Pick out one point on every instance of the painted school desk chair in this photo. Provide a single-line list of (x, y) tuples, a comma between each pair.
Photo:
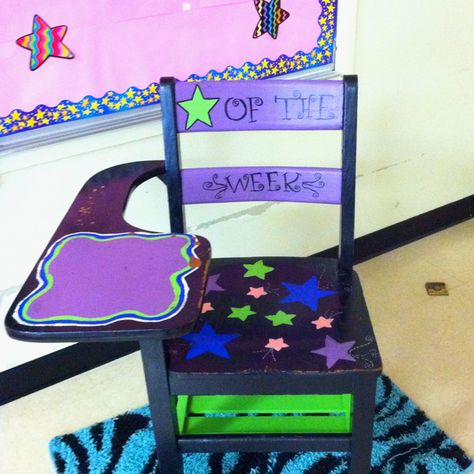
[(273, 353)]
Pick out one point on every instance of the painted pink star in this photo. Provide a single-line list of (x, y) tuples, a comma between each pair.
[(206, 307), (277, 344), (323, 322), (257, 292)]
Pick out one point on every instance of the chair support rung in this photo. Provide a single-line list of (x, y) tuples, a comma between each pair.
[(260, 443)]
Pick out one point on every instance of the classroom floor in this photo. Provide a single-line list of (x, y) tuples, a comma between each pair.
[(427, 344)]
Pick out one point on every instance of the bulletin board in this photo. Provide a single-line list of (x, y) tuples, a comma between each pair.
[(67, 60)]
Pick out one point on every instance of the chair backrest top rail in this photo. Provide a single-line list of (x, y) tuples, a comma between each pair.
[(255, 183), (259, 105)]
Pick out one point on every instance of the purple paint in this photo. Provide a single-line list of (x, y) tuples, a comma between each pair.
[(212, 284), (264, 105), (295, 184), (94, 279), (335, 351)]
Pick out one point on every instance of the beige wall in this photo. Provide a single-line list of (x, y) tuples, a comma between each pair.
[(416, 150), (416, 132)]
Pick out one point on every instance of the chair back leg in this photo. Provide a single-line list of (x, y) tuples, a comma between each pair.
[(162, 408), (362, 424)]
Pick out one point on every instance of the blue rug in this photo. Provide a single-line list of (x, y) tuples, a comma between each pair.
[(405, 442)]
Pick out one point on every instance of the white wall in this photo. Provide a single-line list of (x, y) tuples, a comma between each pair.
[(416, 149), (36, 189)]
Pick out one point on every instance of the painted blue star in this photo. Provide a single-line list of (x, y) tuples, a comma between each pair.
[(208, 341), (308, 293)]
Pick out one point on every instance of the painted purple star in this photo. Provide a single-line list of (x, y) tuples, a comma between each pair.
[(212, 284), (335, 351)]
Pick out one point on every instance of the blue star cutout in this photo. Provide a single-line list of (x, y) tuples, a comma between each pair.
[(308, 293), (207, 340)]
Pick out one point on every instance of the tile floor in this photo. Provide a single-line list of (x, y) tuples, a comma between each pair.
[(427, 344)]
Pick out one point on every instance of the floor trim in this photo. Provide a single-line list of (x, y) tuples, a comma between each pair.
[(73, 360), (58, 366), (402, 233)]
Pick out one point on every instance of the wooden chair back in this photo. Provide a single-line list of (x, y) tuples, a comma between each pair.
[(215, 106)]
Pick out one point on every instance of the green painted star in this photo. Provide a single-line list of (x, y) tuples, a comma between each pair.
[(281, 318), (241, 313), (198, 108), (257, 269)]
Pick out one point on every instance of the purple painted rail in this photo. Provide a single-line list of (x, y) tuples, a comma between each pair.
[(296, 184), (259, 105)]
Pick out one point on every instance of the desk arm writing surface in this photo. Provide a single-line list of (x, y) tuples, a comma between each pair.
[(102, 279)]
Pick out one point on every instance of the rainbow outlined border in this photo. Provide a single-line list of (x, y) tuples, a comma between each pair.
[(46, 281), (112, 102)]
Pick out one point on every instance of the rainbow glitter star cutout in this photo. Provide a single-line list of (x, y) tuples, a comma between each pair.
[(44, 42), (271, 17)]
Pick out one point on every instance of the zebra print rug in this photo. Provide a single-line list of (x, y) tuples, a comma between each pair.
[(405, 441)]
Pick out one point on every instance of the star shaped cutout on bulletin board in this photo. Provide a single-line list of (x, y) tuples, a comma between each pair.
[(271, 17), (257, 292), (323, 322), (307, 293), (277, 344), (208, 341), (212, 284), (335, 351), (198, 108), (44, 42), (241, 313), (281, 318), (257, 269)]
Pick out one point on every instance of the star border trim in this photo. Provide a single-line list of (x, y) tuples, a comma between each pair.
[(112, 102)]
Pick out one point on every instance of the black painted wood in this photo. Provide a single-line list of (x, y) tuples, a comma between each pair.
[(162, 406), (73, 360), (349, 143), (282, 383), (208, 376), (103, 198), (257, 443), (310, 375), (349, 138), (362, 425), (172, 158), (352, 322)]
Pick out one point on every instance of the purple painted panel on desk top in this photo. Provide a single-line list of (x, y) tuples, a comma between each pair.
[(294, 184), (95, 279), (259, 105)]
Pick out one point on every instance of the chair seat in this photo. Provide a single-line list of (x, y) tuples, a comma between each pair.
[(276, 314)]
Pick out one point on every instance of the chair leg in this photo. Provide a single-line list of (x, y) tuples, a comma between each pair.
[(162, 409), (362, 426)]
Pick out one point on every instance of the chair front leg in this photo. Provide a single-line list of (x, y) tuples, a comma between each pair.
[(162, 408), (362, 425)]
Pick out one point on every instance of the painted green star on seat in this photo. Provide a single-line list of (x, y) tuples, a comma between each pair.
[(281, 318), (241, 313), (198, 108), (257, 269)]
